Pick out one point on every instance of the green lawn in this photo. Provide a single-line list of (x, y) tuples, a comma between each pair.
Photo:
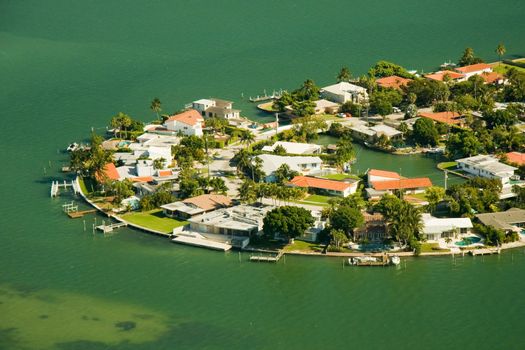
[(432, 247), (153, 219), (340, 177), (317, 198), (503, 68), (303, 246), (420, 196), (447, 165)]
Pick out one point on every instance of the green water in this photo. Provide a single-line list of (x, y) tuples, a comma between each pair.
[(68, 66)]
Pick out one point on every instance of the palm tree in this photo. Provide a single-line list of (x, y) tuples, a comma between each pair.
[(344, 75), (120, 121), (155, 106), (247, 137), (500, 51), (159, 163), (218, 185)]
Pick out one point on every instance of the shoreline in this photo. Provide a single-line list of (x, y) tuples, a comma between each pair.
[(505, 246)]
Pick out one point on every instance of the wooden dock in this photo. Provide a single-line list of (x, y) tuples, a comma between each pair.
[(109, 228), (486, 251), (81, 213), (267, 258)]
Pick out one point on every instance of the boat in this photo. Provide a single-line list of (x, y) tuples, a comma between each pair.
[(382, 260), (197, 240), (436, 150), (72, 147), (448, 64), (395, 260)]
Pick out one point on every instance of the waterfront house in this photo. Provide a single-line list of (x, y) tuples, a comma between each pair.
[(493, 78), (324, 186), (216, 108), (487, 166), (188, 123), (109, 172), (473, 69), (448, 117), (508, 221), (435, 228), (305, 165), (240, 221), (190, 207), (374, 228), (325, 107), (344, 92), (381, 182), (374, 175), (440, 76), (393, 82), (294, 147), (372, 133)]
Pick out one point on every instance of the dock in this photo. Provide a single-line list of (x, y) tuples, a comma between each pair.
[(267, 258), (78, 214), (57, 185), (109, 228), (266, 97), (486, 251)]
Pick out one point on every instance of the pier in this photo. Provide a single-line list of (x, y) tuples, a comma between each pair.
[(267, 258), (267, 97), (109, 228), (486, 251), (81, 213), (57, 185)]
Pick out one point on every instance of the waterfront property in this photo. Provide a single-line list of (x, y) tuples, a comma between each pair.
[(437, 228), (512, 220), (448, 117), (216, 108), (306, 165), (190, 207), (372, 133), (294, 147), (344, 92), (374, 175), (393, 82), (188, 123), (473, 69), (443, 75), (325, 107), (374, 228), (382, 182), (324, 186)]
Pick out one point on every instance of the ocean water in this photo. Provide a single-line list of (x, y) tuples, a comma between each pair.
[(68, 66)]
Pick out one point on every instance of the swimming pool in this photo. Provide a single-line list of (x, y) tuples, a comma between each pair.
[(123, 144), (468, 241)]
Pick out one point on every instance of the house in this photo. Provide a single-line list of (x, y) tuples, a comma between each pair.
[(325, 107), (450, 118), (324, 186), (474, 69), (410, 186), (487, 166), (493, 78), (306, 165), (375, 175), (196, 205), (109, 172), (295, 147), (508, 221), (188, 123), (436, 228), (372, 133), (144, 168), (343, 92), (515, 158), (240, 221), (363, 133), (216, 108), (374, 228), (393, 82), (440, 76)]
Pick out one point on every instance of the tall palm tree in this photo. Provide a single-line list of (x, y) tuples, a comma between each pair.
[(344, 75), (500, 51), (218, 185), (247, 138), (155, 106)]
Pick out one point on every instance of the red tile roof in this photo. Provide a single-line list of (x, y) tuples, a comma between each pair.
[(393, 81), (313, 182), (165, 173), (142, 179), (443, 117), (190, 117), (473, 68), (384, 173), (516, 157), (492, 77), (441, 74), (109, 172), (402, 184)]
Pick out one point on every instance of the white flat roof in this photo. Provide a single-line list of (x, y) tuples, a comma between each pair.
[(272, 162), (385, 129), (205, 101), (488, 163), (343, 87), (432, 224), (294, 147)]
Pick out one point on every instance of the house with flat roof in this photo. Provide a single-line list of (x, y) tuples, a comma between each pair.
[(508, 221), (435, 228), (305, 165), (295, 147), (487, 166), (393, 82), (240, 221), (216, 108), (343, 92), (325, 186), (190, 207), (188, 123)]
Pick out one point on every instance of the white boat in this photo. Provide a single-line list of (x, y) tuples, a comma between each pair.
[(72, 147), (395, 260), (197, 240), (362, 260)]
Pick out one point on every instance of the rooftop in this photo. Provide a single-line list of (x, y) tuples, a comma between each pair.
[(382, 129), (384, 173), (488, 163), (343, 87), (190, 117), (314, 182), (294, 147), (432, 224), (402, 184), (240, 217), (272, 162), (492, 77), (443, 117), (393, 82), (473, 68), (516, 157), (441, 75), (503, 220), (109, 172)]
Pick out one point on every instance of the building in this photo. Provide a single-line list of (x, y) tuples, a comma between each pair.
[(436, 228), (515, 158), (381, 182), (196, 205), (240, 220), (188, 123), (216, 108), (324, 186), (109, 172), (450, 118), (325, 107), (393, 82), (440, 76), (144, 167), (295, 147), (474, 69), (508, 221), (493, 78), (306, 165), (487, 166), (374, 175), (372, 133), (373, 230), (344, 92)]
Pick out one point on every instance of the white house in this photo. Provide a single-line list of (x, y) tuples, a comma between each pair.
[(144, 167), (371, 133), (474, 69), (325, 107), (189, 123), (343, 92), (215, 107), (304, 165), (436, 228), (295, 147), (487, 166)]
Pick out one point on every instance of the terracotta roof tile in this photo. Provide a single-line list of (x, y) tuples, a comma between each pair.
[(516, 157), (165, 173), (209, 201), (443, 117), (109, 172), (142, 179), (190, 117), (384, 173), (313, 182), (473, 68), (401, 184), (492, 77), (393, 81), (441, 74)]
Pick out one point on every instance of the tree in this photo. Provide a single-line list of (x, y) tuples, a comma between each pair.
[(344, 75), (345, 152), (280, 150), (346, 219), (411, 111), (403, 219), (463, 144), (469, 58), (247, 191), (247, 137), (119, 189), (425, 132), (386, 69), (338, 238), (91, 161), (287, 221), (501, 50), (303, 108), (218, 185), (120, 122), (156, 106), (159, 163), (307, 92), (434, 195), (284, 173)]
